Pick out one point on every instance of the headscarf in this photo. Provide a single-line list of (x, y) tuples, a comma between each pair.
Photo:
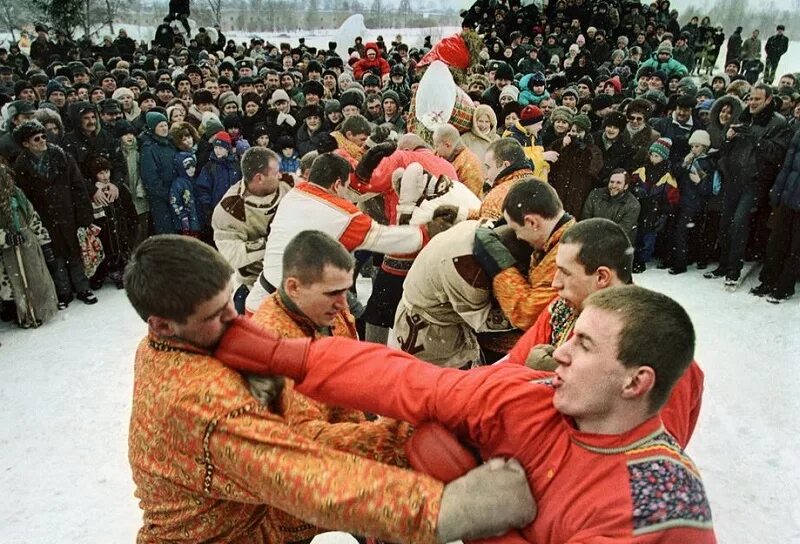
[(487, 110)]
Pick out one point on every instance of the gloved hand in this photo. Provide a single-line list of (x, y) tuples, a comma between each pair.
[(14, 239), (541, 358), (486, 502), (490, 252), (266, 389), (47, 253), (250, 348), (286, 118), (412, 184)]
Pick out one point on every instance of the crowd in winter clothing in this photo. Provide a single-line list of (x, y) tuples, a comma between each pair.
[(619, 107)]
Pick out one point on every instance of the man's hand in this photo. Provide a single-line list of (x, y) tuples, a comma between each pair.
[(541, 358), (486, 502), (266, 389), (695, 177), (112, 192), (490, 252), (551, 156), (731, 134)]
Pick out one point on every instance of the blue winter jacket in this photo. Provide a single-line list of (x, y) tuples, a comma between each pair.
[(182, 196), (217, 176), (786, 189)]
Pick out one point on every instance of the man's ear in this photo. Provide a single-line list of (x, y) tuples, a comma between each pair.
[(604, 277), (533, 221), (161, 326), (291, 286), (639, 383)]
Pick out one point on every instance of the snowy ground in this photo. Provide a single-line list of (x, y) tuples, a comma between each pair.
[(66, 391)]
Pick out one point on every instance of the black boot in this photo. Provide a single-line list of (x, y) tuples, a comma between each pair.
[(761, 290), (718, 272), (87, 297)]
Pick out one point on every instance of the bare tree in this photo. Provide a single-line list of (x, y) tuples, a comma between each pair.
[(216, 10), (8, 13)]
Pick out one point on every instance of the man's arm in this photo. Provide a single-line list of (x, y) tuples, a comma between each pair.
[(245, 256), (522, 300)]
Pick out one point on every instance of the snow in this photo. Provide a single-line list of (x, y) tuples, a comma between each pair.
[(66, 391)]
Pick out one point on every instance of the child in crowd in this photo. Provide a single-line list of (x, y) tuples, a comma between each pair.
[(533, 89), (182, 196), (217, 176), (290, 161), (261, 135), (657, 191), (118, 221), (695, 184)]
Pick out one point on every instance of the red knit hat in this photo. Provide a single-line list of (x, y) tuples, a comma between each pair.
[(530, 115), (222, 138)]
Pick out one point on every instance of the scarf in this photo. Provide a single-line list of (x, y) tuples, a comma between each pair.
[(10, 194)]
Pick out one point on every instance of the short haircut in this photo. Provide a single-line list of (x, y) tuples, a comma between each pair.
[(162, 262), (603, 243), (507, 149), (616, 171), (356, 124), (307, 160), (255, 160), (307, 254), (656, 332), (532, 196), (764, 87), (327, 168), (446, 133)]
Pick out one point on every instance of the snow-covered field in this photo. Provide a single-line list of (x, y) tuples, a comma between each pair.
[(66, 389)]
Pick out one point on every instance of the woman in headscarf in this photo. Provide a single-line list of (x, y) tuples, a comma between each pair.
[(483, 131), (22, 233)]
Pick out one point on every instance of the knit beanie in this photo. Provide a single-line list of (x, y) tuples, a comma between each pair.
[(123, 127), (52, 87), (700, 137), (332, 105), (392, 95), (504, 71), (351, 98), (665, 47), (661, 147), (211, 125), (511, 91), (582, 122), (530, 115), (153, 118), (561, 113), (222, 139)]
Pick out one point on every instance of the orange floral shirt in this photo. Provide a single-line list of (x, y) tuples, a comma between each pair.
[(470, 170), (210, 463), (523, 299), (492, 206)]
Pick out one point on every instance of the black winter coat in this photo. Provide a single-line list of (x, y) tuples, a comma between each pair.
[(622, 209), (59, 195), (618, 155), (786, 190), (104, 144)]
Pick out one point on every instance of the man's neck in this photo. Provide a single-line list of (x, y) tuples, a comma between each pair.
[(627, 419)]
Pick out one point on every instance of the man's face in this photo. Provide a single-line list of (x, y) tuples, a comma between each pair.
[(147, 104), (584, 91), (528, 232), (195, 79), (500, 83), (36, 143), (358, 139), (205, 327), (321, 301), (165, 95), (245, 71), (590, 378), (389, 107), (109, 84), (273, 81), (312, 99), (492, 167), (89, 122), (110, 118), (184, 86), (374, 108), (58, 98), (786, 83), (682, 114), (571, 281), (547, 106), (758, 100), (27, 94), (313, 122), (569, 101), (616, 185), (287, 82), (41, 90), (213, 88), (655, 83)]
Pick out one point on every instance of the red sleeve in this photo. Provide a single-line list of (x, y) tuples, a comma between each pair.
[(385, 68), (539, 333), (356, 231), (682, 409), (374, 378), (358, 70)]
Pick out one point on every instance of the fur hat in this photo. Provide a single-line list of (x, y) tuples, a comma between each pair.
[(511, 91), (615, 119), (27, 130), (561, 113)]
